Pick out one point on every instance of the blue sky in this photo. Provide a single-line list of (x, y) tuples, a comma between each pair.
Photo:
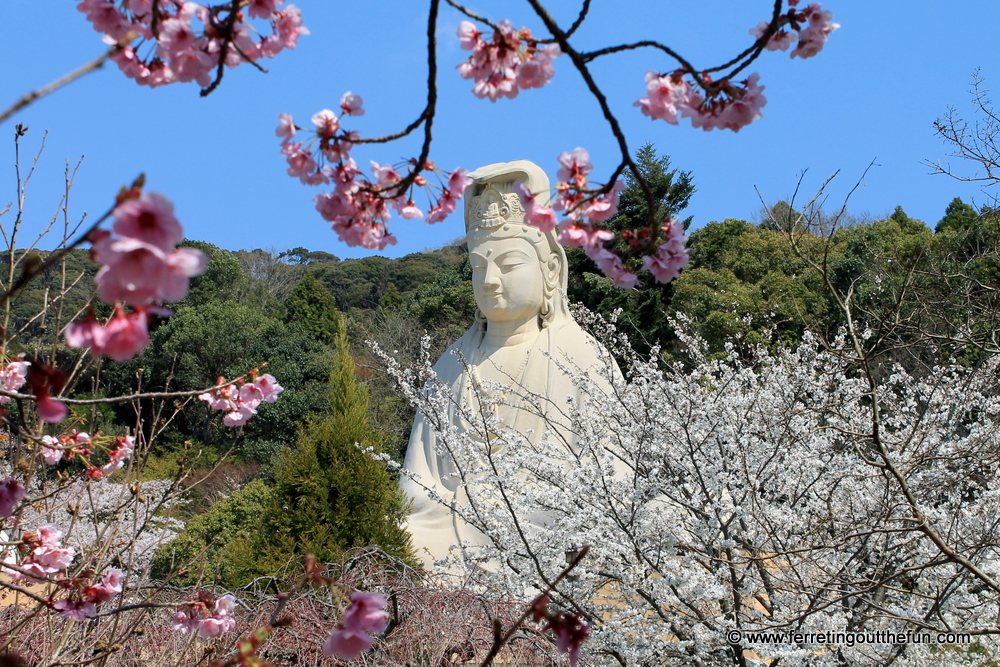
[(871, 95)]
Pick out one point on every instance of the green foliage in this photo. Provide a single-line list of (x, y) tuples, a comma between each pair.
[(222, 279), (958, 216), (198, 344), (782, 217), (446, 304), (213, 532), (328, 495), (671, 190), (312, 305)]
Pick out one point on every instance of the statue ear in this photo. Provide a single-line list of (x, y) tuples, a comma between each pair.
[(552, 269)]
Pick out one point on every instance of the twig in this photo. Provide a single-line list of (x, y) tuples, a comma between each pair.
[(28, 98)]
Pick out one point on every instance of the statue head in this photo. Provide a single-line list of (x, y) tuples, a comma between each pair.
[(517, 269)]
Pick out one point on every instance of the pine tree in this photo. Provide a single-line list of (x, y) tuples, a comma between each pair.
[(958, 217), (647, 306), (328, 495)]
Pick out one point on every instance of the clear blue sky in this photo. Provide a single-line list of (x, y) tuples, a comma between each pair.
[(872, 94)]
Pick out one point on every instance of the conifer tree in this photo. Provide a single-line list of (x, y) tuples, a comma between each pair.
[(328, 495), (312, 305), (958, 217)]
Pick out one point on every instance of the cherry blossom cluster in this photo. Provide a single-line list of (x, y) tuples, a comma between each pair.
[(54, 450), (571, 630), (142, 268), (364, 617), (207, 615), (359, 207), (723, 104), (509, 61), (584, 206), (241, 399), (42, 555), (727, 104), (188, 39), (83, 599), (13, 376), (807, 28), (672, 255)]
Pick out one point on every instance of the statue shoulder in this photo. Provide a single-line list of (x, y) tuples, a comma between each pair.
[(449, 364)]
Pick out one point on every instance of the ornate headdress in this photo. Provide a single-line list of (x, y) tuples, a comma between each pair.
[(494, 210)]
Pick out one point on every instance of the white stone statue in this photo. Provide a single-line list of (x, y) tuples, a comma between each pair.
[(523, 330)]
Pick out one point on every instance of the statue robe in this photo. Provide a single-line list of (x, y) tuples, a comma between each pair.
[(433, 524)]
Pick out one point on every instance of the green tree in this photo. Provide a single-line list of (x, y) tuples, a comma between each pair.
[(328, 495), (958, 216), (671, 190), (312, 305), (645, 309)]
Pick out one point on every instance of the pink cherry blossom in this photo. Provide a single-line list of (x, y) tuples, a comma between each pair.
[(538, 71), (813, 37), (126, 335), (458, 180), (743, 110), (288, 26), (468, 35), (574, 167), (239, 416), (177, 35), (611, 265), (261, 9), (11, 492), (105, 17), (286, 128), (51, 455), (195, 616), (446, 205), (49, 535), (50, 410), (110, 586), (385, 175), (139, 273), (672, 255), (88, 333), (570, 631), (605, 206), (300, 163), (364, 617), (76, 610), (47, 557), (780, 41), (511, 60), (350, 104), (326, 123), (13, 377), (542, 217), (410, 211), (666, 97), (268, 387), (121, 452)]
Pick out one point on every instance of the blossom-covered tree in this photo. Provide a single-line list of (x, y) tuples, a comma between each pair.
[(784, 492)]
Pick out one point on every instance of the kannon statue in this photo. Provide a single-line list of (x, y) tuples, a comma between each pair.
[(519, 348)]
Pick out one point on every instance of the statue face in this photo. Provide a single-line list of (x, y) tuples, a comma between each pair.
[(506, 278)]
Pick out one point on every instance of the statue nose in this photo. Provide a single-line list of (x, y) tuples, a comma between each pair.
[(492, 277)]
